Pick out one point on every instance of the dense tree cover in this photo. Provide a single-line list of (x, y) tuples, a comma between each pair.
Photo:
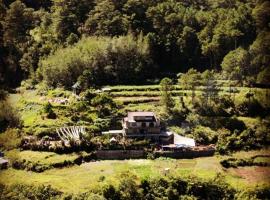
[(131, 187), (206, 34), (96, 61)]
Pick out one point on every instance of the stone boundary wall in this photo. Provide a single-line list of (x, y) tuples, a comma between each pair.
[(185, 154), (136, 154), (120, 154)]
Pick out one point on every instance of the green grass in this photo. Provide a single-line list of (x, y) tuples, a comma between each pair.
[(45, 158), (261, 159), (248, 154), (87, 176)]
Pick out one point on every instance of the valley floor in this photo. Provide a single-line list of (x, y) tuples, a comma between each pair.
[(93, 175)]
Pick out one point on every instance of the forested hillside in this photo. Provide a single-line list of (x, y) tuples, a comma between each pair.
[(134, 99), (99, 42)]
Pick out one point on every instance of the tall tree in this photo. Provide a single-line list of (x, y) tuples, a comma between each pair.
[(69, 16), (236, 65), (190, 80), (210, 86), (16, 26), (105, 19), (166, 86)]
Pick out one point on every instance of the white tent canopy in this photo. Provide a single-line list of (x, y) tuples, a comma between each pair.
[(180, 140)]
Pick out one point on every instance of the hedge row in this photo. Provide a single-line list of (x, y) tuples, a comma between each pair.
[(242, 162)]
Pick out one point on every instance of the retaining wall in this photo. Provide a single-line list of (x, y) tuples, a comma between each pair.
[(136, 154), (120, 154), (185, 154)]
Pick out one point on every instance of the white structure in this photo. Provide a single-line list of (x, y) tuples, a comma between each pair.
[(183, 141)]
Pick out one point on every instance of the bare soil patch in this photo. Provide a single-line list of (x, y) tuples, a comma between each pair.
[(253, 174)]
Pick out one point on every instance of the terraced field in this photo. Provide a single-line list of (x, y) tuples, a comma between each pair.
[(80, 178)]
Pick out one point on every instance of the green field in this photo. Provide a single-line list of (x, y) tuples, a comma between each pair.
[(94, 175)]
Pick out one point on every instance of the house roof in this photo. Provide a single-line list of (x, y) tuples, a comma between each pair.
[(131, 115)]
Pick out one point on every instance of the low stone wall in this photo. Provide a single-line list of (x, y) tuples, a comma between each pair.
[(120, 154), (136, 154), (185, 154)]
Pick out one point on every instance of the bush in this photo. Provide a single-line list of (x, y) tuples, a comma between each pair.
[(9, 117), (88, 95), (10, 139), (3, 95), (251, 108), (102, 124), (110, 192), (59, 92), (232, 123), (47, 108), (104, 105), (20, 191), (223, 107), (205, 135)]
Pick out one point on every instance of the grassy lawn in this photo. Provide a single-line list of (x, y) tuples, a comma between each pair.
[(44, 158), (94, 175)]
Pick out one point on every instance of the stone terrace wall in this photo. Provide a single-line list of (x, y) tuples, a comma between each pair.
[(185, 154), (120, 154), (136, 154)]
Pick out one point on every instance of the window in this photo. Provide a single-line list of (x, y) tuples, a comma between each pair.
[(151, 124), (143, 124)]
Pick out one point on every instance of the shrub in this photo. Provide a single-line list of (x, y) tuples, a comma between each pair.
[(128, 187), (232, 123), (88, 95), (204, 135), (20, 191), (3, 94), (251, 108), (9, 117), (59, 92), (10, 139), (102, 124), (104, 104), (110, 192), (47, 108)]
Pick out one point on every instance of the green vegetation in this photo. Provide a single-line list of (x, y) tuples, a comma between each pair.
[(252, 161), (41, 161), (166, 86), (10, 139), (87, 177), (67, 63), (107, 42)]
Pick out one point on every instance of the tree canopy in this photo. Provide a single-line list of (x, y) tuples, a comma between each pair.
[(204, 34)]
